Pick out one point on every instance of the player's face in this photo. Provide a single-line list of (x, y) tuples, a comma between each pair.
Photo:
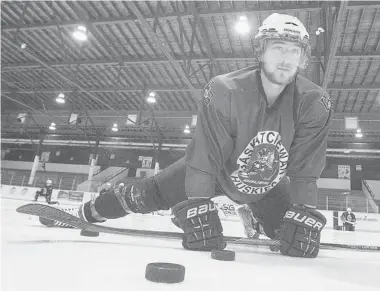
[(281, 60)]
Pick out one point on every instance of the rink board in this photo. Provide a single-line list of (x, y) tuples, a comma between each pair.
[(366, 222)]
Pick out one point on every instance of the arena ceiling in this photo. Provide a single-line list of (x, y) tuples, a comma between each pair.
[(172, 48)]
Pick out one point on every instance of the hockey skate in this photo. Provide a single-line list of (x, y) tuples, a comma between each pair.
[(249, 222), (252, 228)]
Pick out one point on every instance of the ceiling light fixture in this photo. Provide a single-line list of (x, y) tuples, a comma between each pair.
[(60, 98), (187, 129), (242, 26), (80, 33), (151, 98)]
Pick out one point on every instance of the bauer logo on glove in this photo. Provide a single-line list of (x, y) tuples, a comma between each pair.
[(304, 219), (300, 234), (201, 209), (200, 222)]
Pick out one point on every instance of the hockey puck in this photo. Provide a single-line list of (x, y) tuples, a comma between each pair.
[(165, 272), (274, 248), (223, 255), (89, 233)]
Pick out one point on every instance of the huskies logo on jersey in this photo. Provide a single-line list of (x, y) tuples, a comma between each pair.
[(262, 164)]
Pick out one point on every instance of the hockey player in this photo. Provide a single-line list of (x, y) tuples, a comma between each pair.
[(349, 220), (260, 139), (121, 186), (106, 188), (46, 192)]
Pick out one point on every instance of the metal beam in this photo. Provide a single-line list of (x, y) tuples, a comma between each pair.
[(291, 8), (159, 43), (200, 59), (204, 35), (99, 90), (31, 108), (319, 48), (71, 82), (334, 42), (175, 115), (354, 87), (333, 87)]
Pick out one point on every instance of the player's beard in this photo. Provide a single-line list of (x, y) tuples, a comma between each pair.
[(272, 77)]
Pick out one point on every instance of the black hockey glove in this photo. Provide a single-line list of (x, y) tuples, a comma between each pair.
[(201, 224), (300, 233)]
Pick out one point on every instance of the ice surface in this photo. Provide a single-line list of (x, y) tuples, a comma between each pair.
[(36, 258)]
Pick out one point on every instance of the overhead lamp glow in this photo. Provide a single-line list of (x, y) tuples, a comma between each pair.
[(359, 135), (242, 27), (151, 100), (151, 97), (60, 98), (115, 127), (187, 129), (52, 126), (80, 33)]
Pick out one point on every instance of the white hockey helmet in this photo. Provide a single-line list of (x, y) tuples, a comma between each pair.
[(283, 27), (349, 209), (48, 182), (121, 185)]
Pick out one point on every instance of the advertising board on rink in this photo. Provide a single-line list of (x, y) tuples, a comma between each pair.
[(227, 209), (62, 196)]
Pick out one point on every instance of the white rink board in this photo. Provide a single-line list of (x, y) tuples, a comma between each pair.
[(227, 209)]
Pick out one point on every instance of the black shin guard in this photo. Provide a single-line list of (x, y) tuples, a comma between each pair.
[(144, 197), (140, 197), (160, 192), (171, 183)]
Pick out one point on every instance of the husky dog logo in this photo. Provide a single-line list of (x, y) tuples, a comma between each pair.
[(262, 165)]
